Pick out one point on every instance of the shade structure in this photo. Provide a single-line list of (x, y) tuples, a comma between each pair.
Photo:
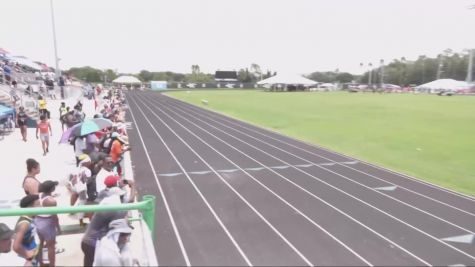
[(127, 80), (26, 62), (292, 79), (444, 84)]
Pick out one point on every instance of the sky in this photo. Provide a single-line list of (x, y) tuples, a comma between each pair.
[(291, 36)]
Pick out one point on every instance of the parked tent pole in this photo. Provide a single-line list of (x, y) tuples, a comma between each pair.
[(470, 65)]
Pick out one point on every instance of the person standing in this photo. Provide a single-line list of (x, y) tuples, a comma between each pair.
[(47, 225), (62, 112), (26, 239), (44, 127), (22, 119), (30, 184), (61, 84), (42, 106)]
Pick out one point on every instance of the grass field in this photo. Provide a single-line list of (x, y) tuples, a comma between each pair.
[(429, 137)]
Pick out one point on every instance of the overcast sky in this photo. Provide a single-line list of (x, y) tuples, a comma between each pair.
[(296, 36)]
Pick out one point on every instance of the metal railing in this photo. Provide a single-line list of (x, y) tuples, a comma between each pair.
[(146, 206)]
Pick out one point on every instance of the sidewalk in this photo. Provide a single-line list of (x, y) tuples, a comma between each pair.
[(56, 165)]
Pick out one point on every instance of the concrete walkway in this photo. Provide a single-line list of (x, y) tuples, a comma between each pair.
[(56, 165)]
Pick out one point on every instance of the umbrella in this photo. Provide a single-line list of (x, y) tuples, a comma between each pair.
[(85, 128)]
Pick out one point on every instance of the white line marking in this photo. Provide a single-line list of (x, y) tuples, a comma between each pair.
[(386, 188), (200, 172), (195, 187), (466, 239), (303, 189), (280, 167), (232, 188), (356, 198), (170, 174), (224, 117), (228, 171), (167, 207), (364, 202), (304, 165), (255, 169)]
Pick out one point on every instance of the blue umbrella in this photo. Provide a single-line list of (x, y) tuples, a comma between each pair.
[(85, 128)]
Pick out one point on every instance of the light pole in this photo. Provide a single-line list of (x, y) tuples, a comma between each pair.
[(381, 62), (439, 68), (470, 65), (370, 65), (56, 59)]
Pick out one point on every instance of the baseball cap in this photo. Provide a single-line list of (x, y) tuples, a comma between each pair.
[(5, 232), (120, 226), (112, 180)]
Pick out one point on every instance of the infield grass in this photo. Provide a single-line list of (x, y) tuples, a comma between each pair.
[(426, 136)]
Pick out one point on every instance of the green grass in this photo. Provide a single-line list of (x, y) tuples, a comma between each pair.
[(427, 136)]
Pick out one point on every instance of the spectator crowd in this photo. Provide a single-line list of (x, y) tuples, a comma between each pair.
[(97, 179)]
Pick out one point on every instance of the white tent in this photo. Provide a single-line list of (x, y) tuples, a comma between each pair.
[(287, 79), (443, 84), (127, 80)]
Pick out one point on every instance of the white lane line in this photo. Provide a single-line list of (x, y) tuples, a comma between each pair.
[(224, 118), (305, 190), (349, 179), (446, 190), (360, 200), (364, 202), (234, 170), (165, 201), (196, 188), (343, 176), (232, 188)]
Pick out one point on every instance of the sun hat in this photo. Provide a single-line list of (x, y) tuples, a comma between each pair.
[(120, 226)]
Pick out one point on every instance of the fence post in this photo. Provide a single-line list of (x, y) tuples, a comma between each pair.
[(149, 213)]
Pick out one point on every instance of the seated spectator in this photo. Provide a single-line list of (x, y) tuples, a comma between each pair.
[(26, 239), (113, 249), (47, 225)]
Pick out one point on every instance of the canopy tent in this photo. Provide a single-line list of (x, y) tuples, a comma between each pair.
[(443, 84), (127, 80), (287, 79)]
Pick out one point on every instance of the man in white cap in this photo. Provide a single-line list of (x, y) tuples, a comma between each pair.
[(113, 249)]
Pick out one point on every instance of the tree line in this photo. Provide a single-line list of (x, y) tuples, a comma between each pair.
[(448, 64)]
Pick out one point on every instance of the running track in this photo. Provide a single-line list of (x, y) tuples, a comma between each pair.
[(230, 193)]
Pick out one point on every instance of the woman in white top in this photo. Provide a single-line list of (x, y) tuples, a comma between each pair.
[(47, 225)]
